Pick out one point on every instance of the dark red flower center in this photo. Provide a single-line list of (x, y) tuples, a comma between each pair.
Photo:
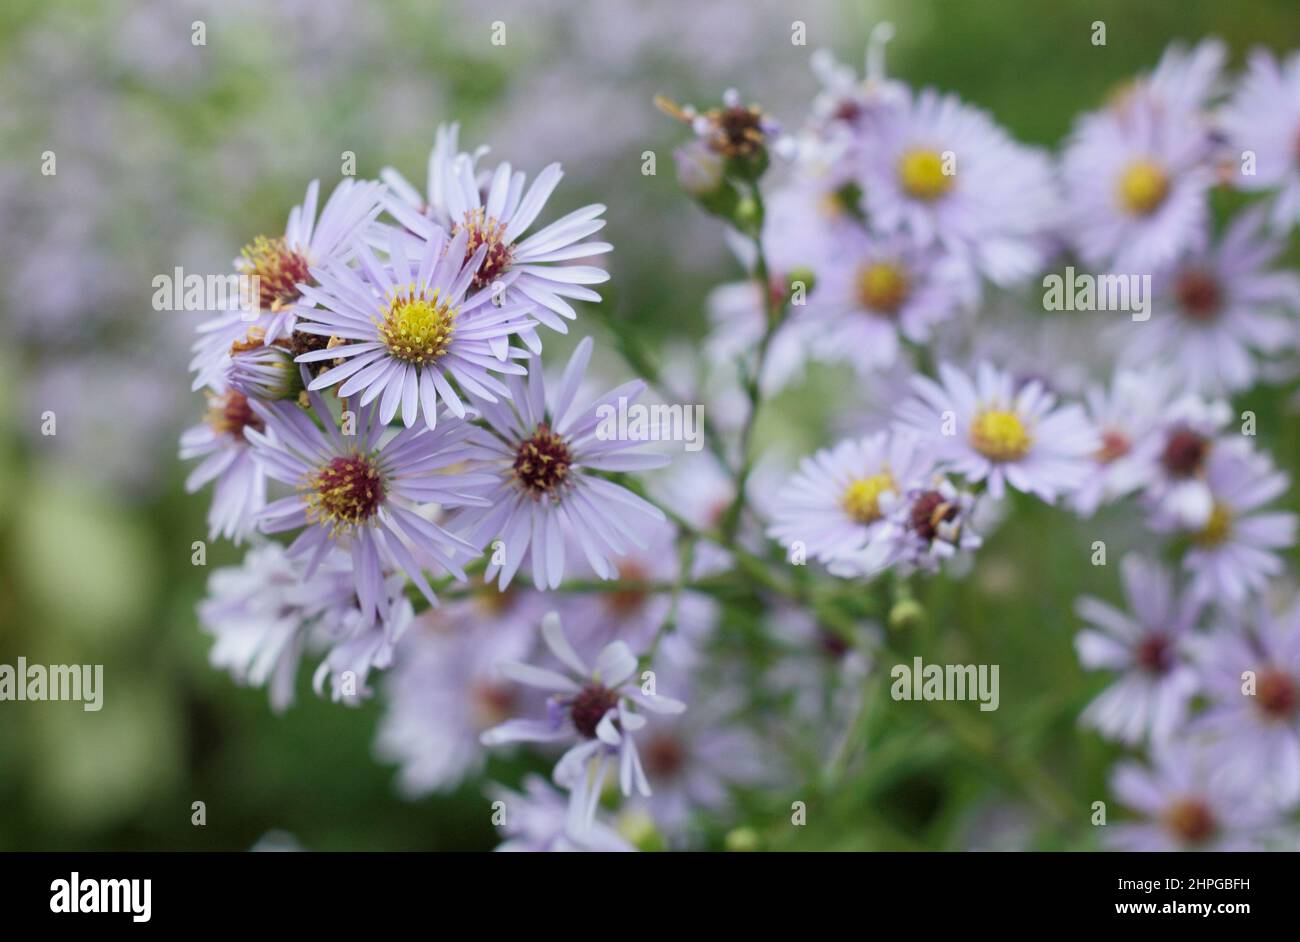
[(279, 270), (486, 230), (230, 413), (1198, 294), (1190, 820), (1114, 445), (1155, 654), (1184, 453), (1276, 694), (589, 708), (542, 462), (346, 492), (929, 511), (663, 757)]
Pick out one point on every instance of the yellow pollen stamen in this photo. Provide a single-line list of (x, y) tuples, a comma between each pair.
[(1217, 528), (1143, 186), (417, 327), (882, 287), (1000, 436), (862, 497), (922, 175)]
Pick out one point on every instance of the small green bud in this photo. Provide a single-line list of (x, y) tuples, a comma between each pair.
[(741, 839), (906, 613)]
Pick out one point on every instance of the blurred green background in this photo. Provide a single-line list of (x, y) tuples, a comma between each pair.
[(174, 154)]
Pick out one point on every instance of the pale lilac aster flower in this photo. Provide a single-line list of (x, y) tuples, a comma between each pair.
[(445, 689), (362, 492), (838, 500), (1186, 805), (1129, 416), (1177, 491), (594, 712), (1137, 175), (876, 292), (1148, 649), (282, 265), (1234, 553), (988, 429), (931, 524), (1251, 669), (239, 491), (408, 329), (542, 450), (1263, 117), (537, 821), (514, 267), (944, 172), (1217, 310)]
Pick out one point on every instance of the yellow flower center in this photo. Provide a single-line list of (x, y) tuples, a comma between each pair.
[(862, 497), (1217, 528), (922, 174), (1143, 187), (882, 287), (1000, 436), (416, 327)]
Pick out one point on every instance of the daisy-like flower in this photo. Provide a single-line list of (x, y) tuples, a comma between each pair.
[(988, 429), (1148, 650), (944, 172), (879, 290), (239, 493), (1137, 173), (1186, 805), (495, 222), (1176, 490), (359, 491), (407, 329), (593, 708), (1217, 310), (543, 449), (537, 821), (268, 612), (838, 500), (1129, 416), (1235, 552), (1263, 118), (281, 265), (445, 689), (927, 526), (1252, 678)]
